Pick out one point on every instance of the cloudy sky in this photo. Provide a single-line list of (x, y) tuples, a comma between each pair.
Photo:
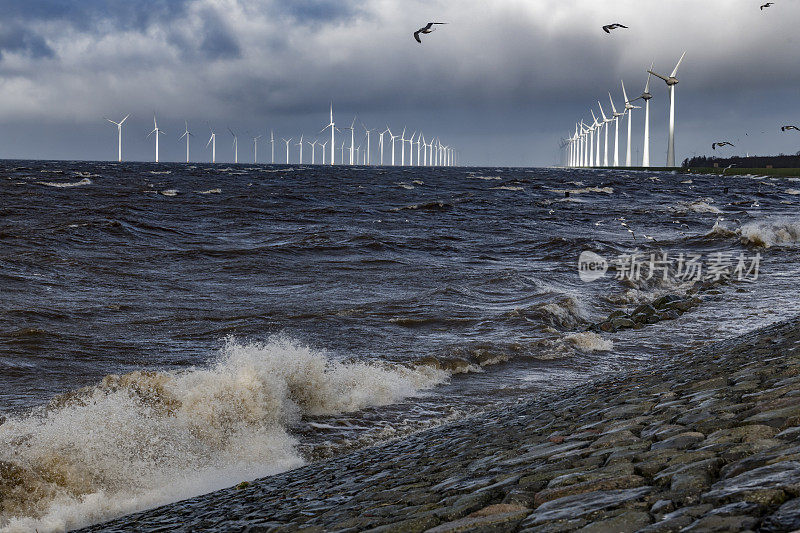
[(502, 82)]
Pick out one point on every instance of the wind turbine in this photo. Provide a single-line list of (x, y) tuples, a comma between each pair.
[(420, 137), (287, 141), (332, 126), (403, 148), (352, 129), (629, 107), (411, 150), (393, 139), (272, 144), (368, 153), (313, 150), (187, 135), (591, 129), (213, 142), (430, 153), (255, 149), (341, 155), (380, 141), (157, 132), (119, 132), (300, 144), (616, 129), (606, 120), (598, 126), (323, 145), (646, 96), (235, 146), (672, 81)]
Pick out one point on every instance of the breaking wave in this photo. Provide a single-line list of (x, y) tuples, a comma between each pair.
[(143, 439), (772, 232), (67, 184)]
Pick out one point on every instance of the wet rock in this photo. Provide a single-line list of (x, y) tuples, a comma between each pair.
[(617, 314), (767, 485), (778, 418), (580, 505), (786, 518), (626, 522), (494, 518), (622, 323), (414, 524), (607, 484), (662, 507), (663, 301), (682, 441), (677, 520), (722, 523), (644, 309)]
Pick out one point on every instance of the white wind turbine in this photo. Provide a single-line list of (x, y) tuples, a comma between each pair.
[(420, 142), (341, 155), (157, 132), (598, 126), (394, 137), (255, 149), (411, 150), (629, 107), (368, 133), (287, 141), (323, 145), (646, 96), (235, 146), (672, 81), (403, 148), (213, 142), (332, 126), (119, 135), (430, 153), (590, 129), (300, 144), (272, 144), (352, 129), (616, 129), (313, 151), (606, 120), (187, 135)]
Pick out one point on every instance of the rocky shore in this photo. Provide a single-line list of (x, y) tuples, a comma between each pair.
[(706, 441)]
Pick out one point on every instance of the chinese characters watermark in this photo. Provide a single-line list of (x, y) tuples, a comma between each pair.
[(684, 267)]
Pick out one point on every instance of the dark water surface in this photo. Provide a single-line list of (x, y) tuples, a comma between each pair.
[(166, 330)]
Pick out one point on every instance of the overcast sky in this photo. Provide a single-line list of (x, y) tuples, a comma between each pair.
[(502, 82)]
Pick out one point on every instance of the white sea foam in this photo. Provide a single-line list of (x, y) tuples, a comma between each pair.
[(210, 191), (507, 188), (589, 341), (68, 184), (486, 177), (147, 438), (793, 192), (170, 192), (771, 232), (697, 206)]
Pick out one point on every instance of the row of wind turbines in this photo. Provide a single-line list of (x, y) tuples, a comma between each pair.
[(582, 150), (432, 153)]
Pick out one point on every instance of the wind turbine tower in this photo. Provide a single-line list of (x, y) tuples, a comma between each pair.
[(187, 135), (671, 82), (119, 136), (332, 126), (157, 132), (255, 149), (287, 141), (616, 129), (213, 142)]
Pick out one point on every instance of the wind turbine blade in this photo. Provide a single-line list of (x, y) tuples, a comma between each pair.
[(675, 72), (624, 94), (649, 75), (111, 121), (613, 108), (658, 75), (124, 119)]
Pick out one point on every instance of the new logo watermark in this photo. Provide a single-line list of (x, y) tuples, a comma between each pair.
[(682, 267)]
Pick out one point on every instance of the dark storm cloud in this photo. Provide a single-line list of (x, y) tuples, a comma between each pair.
[(16, 39)]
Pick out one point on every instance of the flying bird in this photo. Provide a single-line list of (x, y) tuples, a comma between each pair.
[(784, 128), (766, 5), (724, 143), (610, 27), (426, 30)]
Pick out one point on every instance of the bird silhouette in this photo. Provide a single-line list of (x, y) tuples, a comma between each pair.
[(784, 128), (426, 30), (768, 4), (610, 27), (724, 143)]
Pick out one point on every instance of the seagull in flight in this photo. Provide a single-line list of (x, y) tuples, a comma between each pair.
[(426, 30), (724, 143), (784, 128), (610, 27), (768, 4)]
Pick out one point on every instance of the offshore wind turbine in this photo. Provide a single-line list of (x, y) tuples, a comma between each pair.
[(393, 139), (629, 107), (341, 156), (606, 120), (352, 129), (411, 150), (272, 144), (671, 82), (403, 147), (213, 142), (119, 135), (616, 129), (591, 129), (332, 126), (187, 135), (157, 132), (368, 133), (323, 145), (300, 144), (380, 143), (430, 153), (646, 96), (255, 149), (422, 137), (313, 150), (598, 126), (235, 146), (287, 141)]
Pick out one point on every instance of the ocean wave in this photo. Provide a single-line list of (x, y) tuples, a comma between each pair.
[(771, 232), (586, 190), (67, 184), (143, 439), (508, 188), (210, 191), (696, 206)]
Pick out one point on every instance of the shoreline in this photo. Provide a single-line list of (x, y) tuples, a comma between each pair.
[(708, 440)]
